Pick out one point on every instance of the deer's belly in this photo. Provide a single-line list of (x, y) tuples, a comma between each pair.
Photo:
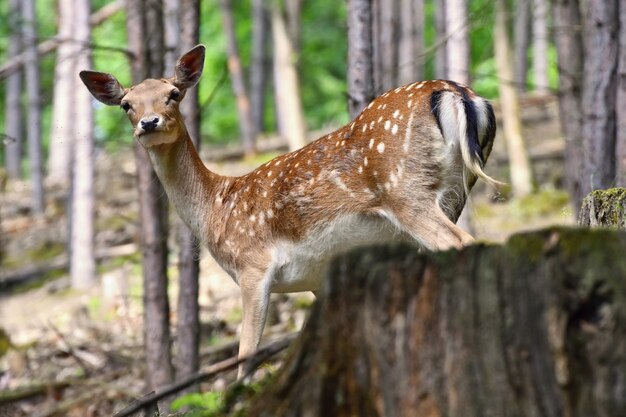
[(301, 266)]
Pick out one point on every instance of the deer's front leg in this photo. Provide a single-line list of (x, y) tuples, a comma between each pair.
[(255, 294)]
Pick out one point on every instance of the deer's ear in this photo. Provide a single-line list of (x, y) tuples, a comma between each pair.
[(189, 68), (103, 87)]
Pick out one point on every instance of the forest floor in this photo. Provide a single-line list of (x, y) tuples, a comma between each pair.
[(60, 349)]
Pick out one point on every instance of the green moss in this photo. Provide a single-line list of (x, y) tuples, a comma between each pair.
[(610, 205), (43, 252), (544, 202)]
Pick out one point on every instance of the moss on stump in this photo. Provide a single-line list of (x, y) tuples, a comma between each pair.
[(605, 208)]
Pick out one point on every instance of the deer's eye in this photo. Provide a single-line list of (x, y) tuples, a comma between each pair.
[(125, 106), (174, 95)]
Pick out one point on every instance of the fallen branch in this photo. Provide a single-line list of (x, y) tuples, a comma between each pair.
[(253, 360), (33, 390)]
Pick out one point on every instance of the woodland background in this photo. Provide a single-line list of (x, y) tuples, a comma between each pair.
[(85, 270)]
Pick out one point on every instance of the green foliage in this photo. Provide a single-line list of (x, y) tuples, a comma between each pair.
[(206, 404)]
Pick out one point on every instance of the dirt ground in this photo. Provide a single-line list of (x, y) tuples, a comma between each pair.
[(49, 332)]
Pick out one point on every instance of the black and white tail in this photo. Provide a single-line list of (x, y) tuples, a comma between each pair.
[(467, 120)]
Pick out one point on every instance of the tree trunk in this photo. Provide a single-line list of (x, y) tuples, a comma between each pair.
[(522, 42), (540, 46), (258, 73), (82, 262), (290, 116), (411, 47), (33, 122), (458, 52), (143, 26), (599, 93), (13, 106), (441, 65), (63, 108), (569, 47), (237, 78), (388, 36), (536, 327), (521, 175), (188, 322), (604, 208), (620, 106), (171, 33), (360, 65), (293, 10)]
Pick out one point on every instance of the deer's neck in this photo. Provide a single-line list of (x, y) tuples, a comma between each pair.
[(189, 185)]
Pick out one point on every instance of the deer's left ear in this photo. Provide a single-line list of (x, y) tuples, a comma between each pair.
[(103, 87), (189, 68)]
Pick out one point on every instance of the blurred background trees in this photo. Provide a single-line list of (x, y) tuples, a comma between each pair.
[(288, 70)]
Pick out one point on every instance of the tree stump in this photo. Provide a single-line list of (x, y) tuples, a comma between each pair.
[(536, 327), (604, 208)]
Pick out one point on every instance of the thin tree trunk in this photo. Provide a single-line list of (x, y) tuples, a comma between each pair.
[(143, 25), (441, 65), (411, 46), (258, 73), (63, 108), (188, 324), (33, 122), (620, 106), (521, 175), (171, 33), (82, 262), (599, 93), (388, 40), (287, 91), (293, 10), (540, 46), (569, 47), (237, 78), (376, 47), (13, 106), (360, 65), (522, 42), (458, 52)]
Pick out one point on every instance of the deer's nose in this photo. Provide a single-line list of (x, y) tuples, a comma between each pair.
[(149, 123)]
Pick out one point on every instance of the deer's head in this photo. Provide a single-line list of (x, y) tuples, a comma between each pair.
[(152, 105)]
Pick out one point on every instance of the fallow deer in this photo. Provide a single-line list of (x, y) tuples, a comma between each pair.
[(400, 171)]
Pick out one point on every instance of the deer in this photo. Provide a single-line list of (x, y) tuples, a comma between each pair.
[(399, 172)]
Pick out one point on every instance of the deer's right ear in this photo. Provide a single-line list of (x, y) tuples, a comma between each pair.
[(104, 87)]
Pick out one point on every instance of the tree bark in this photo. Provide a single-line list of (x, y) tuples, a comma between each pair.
[(258, 64), (604, 208), (411, 47), (360, 64), (536, 327), (599, 93), (522, 42), (63, 108), (33, 122), (521, 175), (237, 78), (12, 105), (620, 145), (441, 64), (291, 123), (143, 26), (172, 33), (388, 36), (569, 47), (82, 262), (457, 47), (188, 317), (540, 46), (293, 11)]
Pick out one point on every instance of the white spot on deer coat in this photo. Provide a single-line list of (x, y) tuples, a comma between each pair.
[(381, 147)]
